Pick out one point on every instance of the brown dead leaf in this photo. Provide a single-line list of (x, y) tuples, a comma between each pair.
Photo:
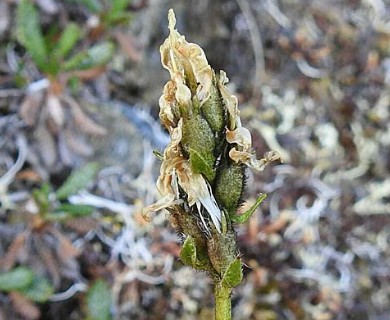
[(30, 107), (82, 121), (275, 226), (46, 145), (64, 153), (77, 144), (82, 225), (24, 307), (128, 44), (66, 249), (88, 74), (49, 259), (28, 175), (55, 109), (13, 252)]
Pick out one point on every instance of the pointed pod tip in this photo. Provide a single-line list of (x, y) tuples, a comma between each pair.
[(171, 19)]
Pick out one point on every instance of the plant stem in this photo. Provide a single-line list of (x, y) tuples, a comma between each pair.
[(222, 302)]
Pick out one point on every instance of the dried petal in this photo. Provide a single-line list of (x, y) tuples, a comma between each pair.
[(167, 103), (230, 101), (186, 62), (240, 136), (189, 160), (199, 192), (162, 203), (250, 159), (183, 93)]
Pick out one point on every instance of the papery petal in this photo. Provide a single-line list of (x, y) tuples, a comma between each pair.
[(208, 201), (190, 86), (183, 93), (199, 192), (172, 158), (250, 159), (180, 57), (201, 69), (240, 136), (230, 101), (163, 203), (239, 156), (176, 135), (167, 100)]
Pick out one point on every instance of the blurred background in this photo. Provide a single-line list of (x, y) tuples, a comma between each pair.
[(79, 87)]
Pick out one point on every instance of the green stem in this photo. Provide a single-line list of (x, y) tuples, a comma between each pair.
[(222, 302)]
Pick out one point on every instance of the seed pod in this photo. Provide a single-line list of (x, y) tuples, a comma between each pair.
[(213, 109), (222, 250), (229, 185), (198, 143)]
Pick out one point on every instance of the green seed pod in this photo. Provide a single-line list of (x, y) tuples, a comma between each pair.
[(222, 250), (229, 185), (199, 144), (213, 109)]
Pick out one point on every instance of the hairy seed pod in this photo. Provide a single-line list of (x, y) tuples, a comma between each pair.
[(229, 185), (222, 250), (213, 109), (198, 143)]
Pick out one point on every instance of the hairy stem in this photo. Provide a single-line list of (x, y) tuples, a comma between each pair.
[(222, 302)]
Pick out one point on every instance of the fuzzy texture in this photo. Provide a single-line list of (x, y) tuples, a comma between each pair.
[(202, 174), (229, 186), (207, 138)]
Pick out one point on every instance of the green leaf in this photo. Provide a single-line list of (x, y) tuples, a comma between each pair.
[(99, 301), (158, 155), (29, 33), (118, 11), (74, 85), (67, 40), (95, 56), (242, 218), (201, 165), (67, 211), (94, 6), (16, 279), (119, 6), (119, 18), (188, 252), (40, 290), (233, 274), (77, 180), (41, 197), (57, 216), (75, 210)]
